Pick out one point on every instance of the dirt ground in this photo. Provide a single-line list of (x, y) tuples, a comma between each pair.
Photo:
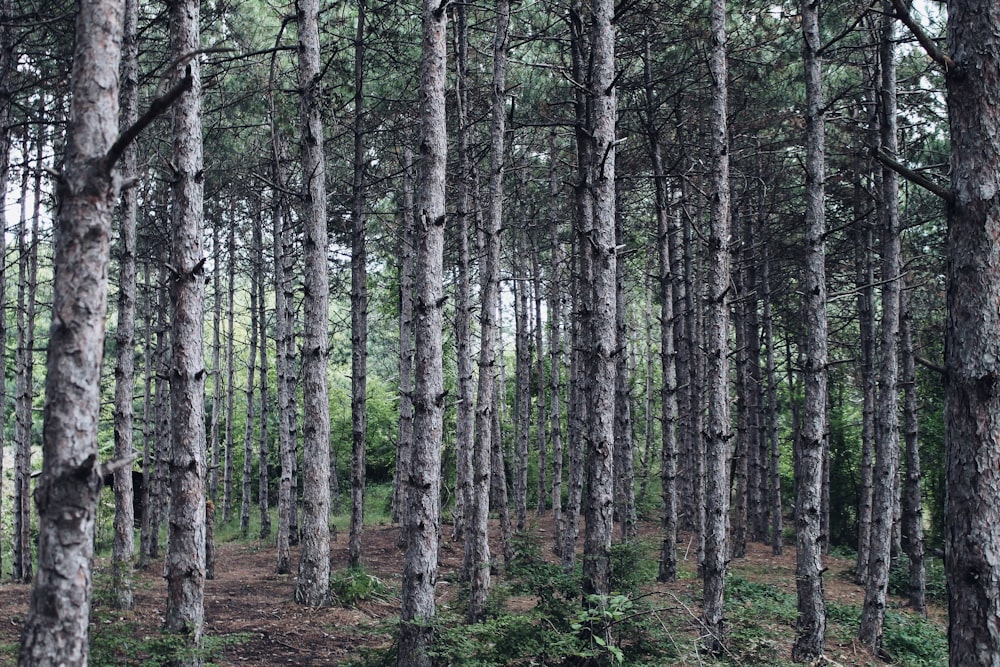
[(248, 599)]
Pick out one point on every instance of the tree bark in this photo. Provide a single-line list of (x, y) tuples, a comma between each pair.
[(264, 437), (185, 562), (885, 479), (913, 526), (359, 302), (624, 446), (972, 349), (717, 426), (422, 518), (406, 251), (55, 630), (811, 623), (123, 547), (7, 60), (312, 586), (247, 485)]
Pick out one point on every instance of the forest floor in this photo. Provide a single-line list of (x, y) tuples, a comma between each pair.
[(250, 618)]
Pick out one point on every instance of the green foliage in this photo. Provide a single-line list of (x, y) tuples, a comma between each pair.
[(914, 641), (934, 574), (355, 585), (632, 565)]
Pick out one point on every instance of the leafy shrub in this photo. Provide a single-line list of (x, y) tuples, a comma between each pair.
[(355, 585), (914, 641), (936, 586)]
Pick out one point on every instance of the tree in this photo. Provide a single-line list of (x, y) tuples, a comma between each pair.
[(972, 349), (185, 562), (55, 631), (811, 623), (717, 426), (124, 540), (312, 587), (600, 243), (359, 301), (422, 517)]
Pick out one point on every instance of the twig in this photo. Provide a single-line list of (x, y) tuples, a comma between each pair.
[(913, 176)]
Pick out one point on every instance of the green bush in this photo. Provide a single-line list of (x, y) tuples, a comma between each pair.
[(354, 585), (914, 641)]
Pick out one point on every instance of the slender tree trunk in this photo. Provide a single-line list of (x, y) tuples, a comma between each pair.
[(214, 441), (359, 301), (811, 624), (422, 520), (465, 407), (148, 433), (185, 563), (555, 351), (7, 61), (913, 528), (312, 586), (624, 445), (774, 448), (522, 378), (55, 631), (247, 485), (406, 251), (263, 451), (540, 411), (229, 472), (741, 453), (123, 548), (886, 471), (600, 450), (717, 426)]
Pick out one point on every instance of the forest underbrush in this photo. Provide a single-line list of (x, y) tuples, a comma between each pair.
[(537, 615)]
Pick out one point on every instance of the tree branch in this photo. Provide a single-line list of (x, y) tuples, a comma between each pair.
[(156, 107), (932, 49), (912, 176)]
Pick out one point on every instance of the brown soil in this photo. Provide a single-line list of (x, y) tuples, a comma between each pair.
[(248, 599)]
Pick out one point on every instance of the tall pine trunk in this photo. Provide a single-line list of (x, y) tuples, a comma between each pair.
[(422, 519), (55, 630), (312, 586), (811, 623)]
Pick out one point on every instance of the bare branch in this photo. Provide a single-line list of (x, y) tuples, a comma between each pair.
[(911, 175)]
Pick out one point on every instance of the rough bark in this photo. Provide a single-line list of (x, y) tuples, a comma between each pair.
[(972, 349), (811, 623), (229, 473), (540, 410), (912, 520), (624, 446), (465, 405), (359, 301), (406, 251), (555, 304), (123, 547), (477, 547), (55, 630), (522, 377), (774, 448), (264, 437), (886, 471), (312, 586), (422, 518), (247, 483), (185, 561), (717, 426), (599, 505), (7, 59)]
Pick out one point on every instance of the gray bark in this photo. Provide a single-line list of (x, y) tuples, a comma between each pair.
[(885, 478), (359, 302), (55, 630), (717, 426), (123, 547), (312, 586), (913, 528), (422, 518), (247, 484), (555, 352), (264, 437), (7, 59), (811, 623), (185, 561), (406, 251)]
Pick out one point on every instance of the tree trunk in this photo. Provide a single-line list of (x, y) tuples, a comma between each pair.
[(522, 377), (465, 406), (185, 563), (406, 251), (624, 452), (972, 432), (811, 624), (540, 411), (55, 630), (229, 473), (774, 447), (913, 526), (717, 426), (887, 416), (123, 547), (555, 351), (599, 507), (312, 586), (148, 431), (422, 518), (247, 485), (359, 302), (263, 452), (7, 60)]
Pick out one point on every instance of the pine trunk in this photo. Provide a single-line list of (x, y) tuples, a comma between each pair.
[(312, 586), (55, 630), (422, 518), (913, 520)]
